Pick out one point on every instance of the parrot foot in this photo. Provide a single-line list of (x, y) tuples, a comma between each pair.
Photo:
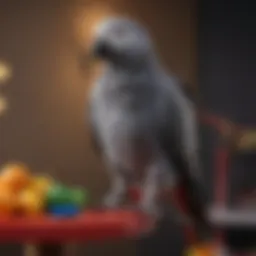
[(111, 201), (152, 210)]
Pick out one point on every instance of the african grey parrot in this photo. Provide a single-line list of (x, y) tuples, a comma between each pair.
[(142, 123)]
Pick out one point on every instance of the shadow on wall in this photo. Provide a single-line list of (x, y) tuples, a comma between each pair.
[(45, 124)]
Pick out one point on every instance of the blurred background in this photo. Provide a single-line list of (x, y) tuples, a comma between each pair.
[(210, 45)]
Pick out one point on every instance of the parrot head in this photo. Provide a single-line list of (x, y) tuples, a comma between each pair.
[(121, 41)]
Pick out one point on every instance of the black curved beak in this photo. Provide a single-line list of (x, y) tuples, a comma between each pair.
[(101, 49), (98, 50)]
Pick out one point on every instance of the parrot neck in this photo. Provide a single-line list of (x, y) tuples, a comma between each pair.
[(150, 65)]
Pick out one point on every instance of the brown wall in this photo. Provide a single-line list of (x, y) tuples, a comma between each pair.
[(42, 40)]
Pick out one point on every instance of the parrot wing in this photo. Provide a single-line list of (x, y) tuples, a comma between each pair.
[(178, 140), (92, 129)]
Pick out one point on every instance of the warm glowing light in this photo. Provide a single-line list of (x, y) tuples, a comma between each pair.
[(5, 72), (86, 20), (3, 105), (247, 140)]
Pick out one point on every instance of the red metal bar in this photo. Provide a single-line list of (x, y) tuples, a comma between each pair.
[(222, 165), (221, 158)]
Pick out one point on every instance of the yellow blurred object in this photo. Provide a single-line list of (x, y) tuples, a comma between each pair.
[(31, 203), (247, 140), (3, 104), (5, 72), (41, 184), (16, 176), (204, 250)]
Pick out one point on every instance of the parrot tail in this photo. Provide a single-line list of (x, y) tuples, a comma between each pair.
[(192, 197), (195, 202)]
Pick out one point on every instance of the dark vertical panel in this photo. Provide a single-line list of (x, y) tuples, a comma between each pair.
[(228, 58), (227, 67)]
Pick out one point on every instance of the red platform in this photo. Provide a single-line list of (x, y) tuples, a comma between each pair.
[(90, 226)]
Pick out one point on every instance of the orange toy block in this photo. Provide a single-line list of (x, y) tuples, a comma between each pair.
[(16, 176)]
